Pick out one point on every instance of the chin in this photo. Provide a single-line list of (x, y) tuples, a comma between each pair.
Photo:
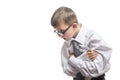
[(67, 39)]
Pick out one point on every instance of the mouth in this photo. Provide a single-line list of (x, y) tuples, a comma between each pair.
[(64, 38)]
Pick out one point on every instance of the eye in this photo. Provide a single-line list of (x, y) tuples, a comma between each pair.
[(61, 31)]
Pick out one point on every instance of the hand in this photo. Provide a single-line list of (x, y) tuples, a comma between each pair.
[(92, 54), (71, 54)]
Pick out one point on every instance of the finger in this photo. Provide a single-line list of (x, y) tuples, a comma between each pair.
[(93, 53), (88, 53), (92, 57), (89, 50)]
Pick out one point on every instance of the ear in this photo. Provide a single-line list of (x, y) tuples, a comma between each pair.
[(74, 25)]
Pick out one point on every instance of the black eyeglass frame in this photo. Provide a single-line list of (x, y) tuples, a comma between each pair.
[(61, 33)]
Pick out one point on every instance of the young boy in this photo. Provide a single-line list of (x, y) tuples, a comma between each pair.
[(93, 60)]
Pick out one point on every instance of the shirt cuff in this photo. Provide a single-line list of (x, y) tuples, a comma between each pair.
[(75, 62)]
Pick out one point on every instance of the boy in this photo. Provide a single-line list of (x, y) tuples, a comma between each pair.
[(92, 60)]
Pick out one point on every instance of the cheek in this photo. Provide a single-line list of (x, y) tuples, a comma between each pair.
[(68, 35)]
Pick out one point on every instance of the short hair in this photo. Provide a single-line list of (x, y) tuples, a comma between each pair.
[(63, 15)]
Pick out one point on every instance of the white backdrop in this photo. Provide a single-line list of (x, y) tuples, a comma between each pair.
[(29, 50)]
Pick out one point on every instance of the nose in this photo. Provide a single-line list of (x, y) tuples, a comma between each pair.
[(60, 36)]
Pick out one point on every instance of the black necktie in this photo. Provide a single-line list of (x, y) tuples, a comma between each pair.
[(76, 48), (77, 52)]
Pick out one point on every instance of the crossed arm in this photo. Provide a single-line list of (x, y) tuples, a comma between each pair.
[(91, 63), (91, 54)]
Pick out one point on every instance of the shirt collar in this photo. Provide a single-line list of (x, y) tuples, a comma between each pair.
[(80, 38)]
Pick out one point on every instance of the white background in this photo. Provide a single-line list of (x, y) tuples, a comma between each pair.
[(29, 50)]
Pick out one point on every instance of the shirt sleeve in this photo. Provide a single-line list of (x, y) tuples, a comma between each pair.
[(100, 65), (67, 68)]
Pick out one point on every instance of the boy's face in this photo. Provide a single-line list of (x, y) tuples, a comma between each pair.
[(65, 31)]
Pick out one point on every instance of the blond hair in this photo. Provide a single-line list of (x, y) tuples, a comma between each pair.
[(63, 15)]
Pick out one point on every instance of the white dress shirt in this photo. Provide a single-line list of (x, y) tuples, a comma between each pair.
[(87, 39)]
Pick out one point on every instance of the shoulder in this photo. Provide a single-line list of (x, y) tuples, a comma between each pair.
[(87, 33), (92, 34)]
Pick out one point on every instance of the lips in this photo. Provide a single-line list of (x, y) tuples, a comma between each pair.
[(64, 38)]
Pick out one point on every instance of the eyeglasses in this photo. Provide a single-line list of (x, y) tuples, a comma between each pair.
[(62, 32)]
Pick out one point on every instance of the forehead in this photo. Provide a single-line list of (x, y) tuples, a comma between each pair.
[(61, 27)]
